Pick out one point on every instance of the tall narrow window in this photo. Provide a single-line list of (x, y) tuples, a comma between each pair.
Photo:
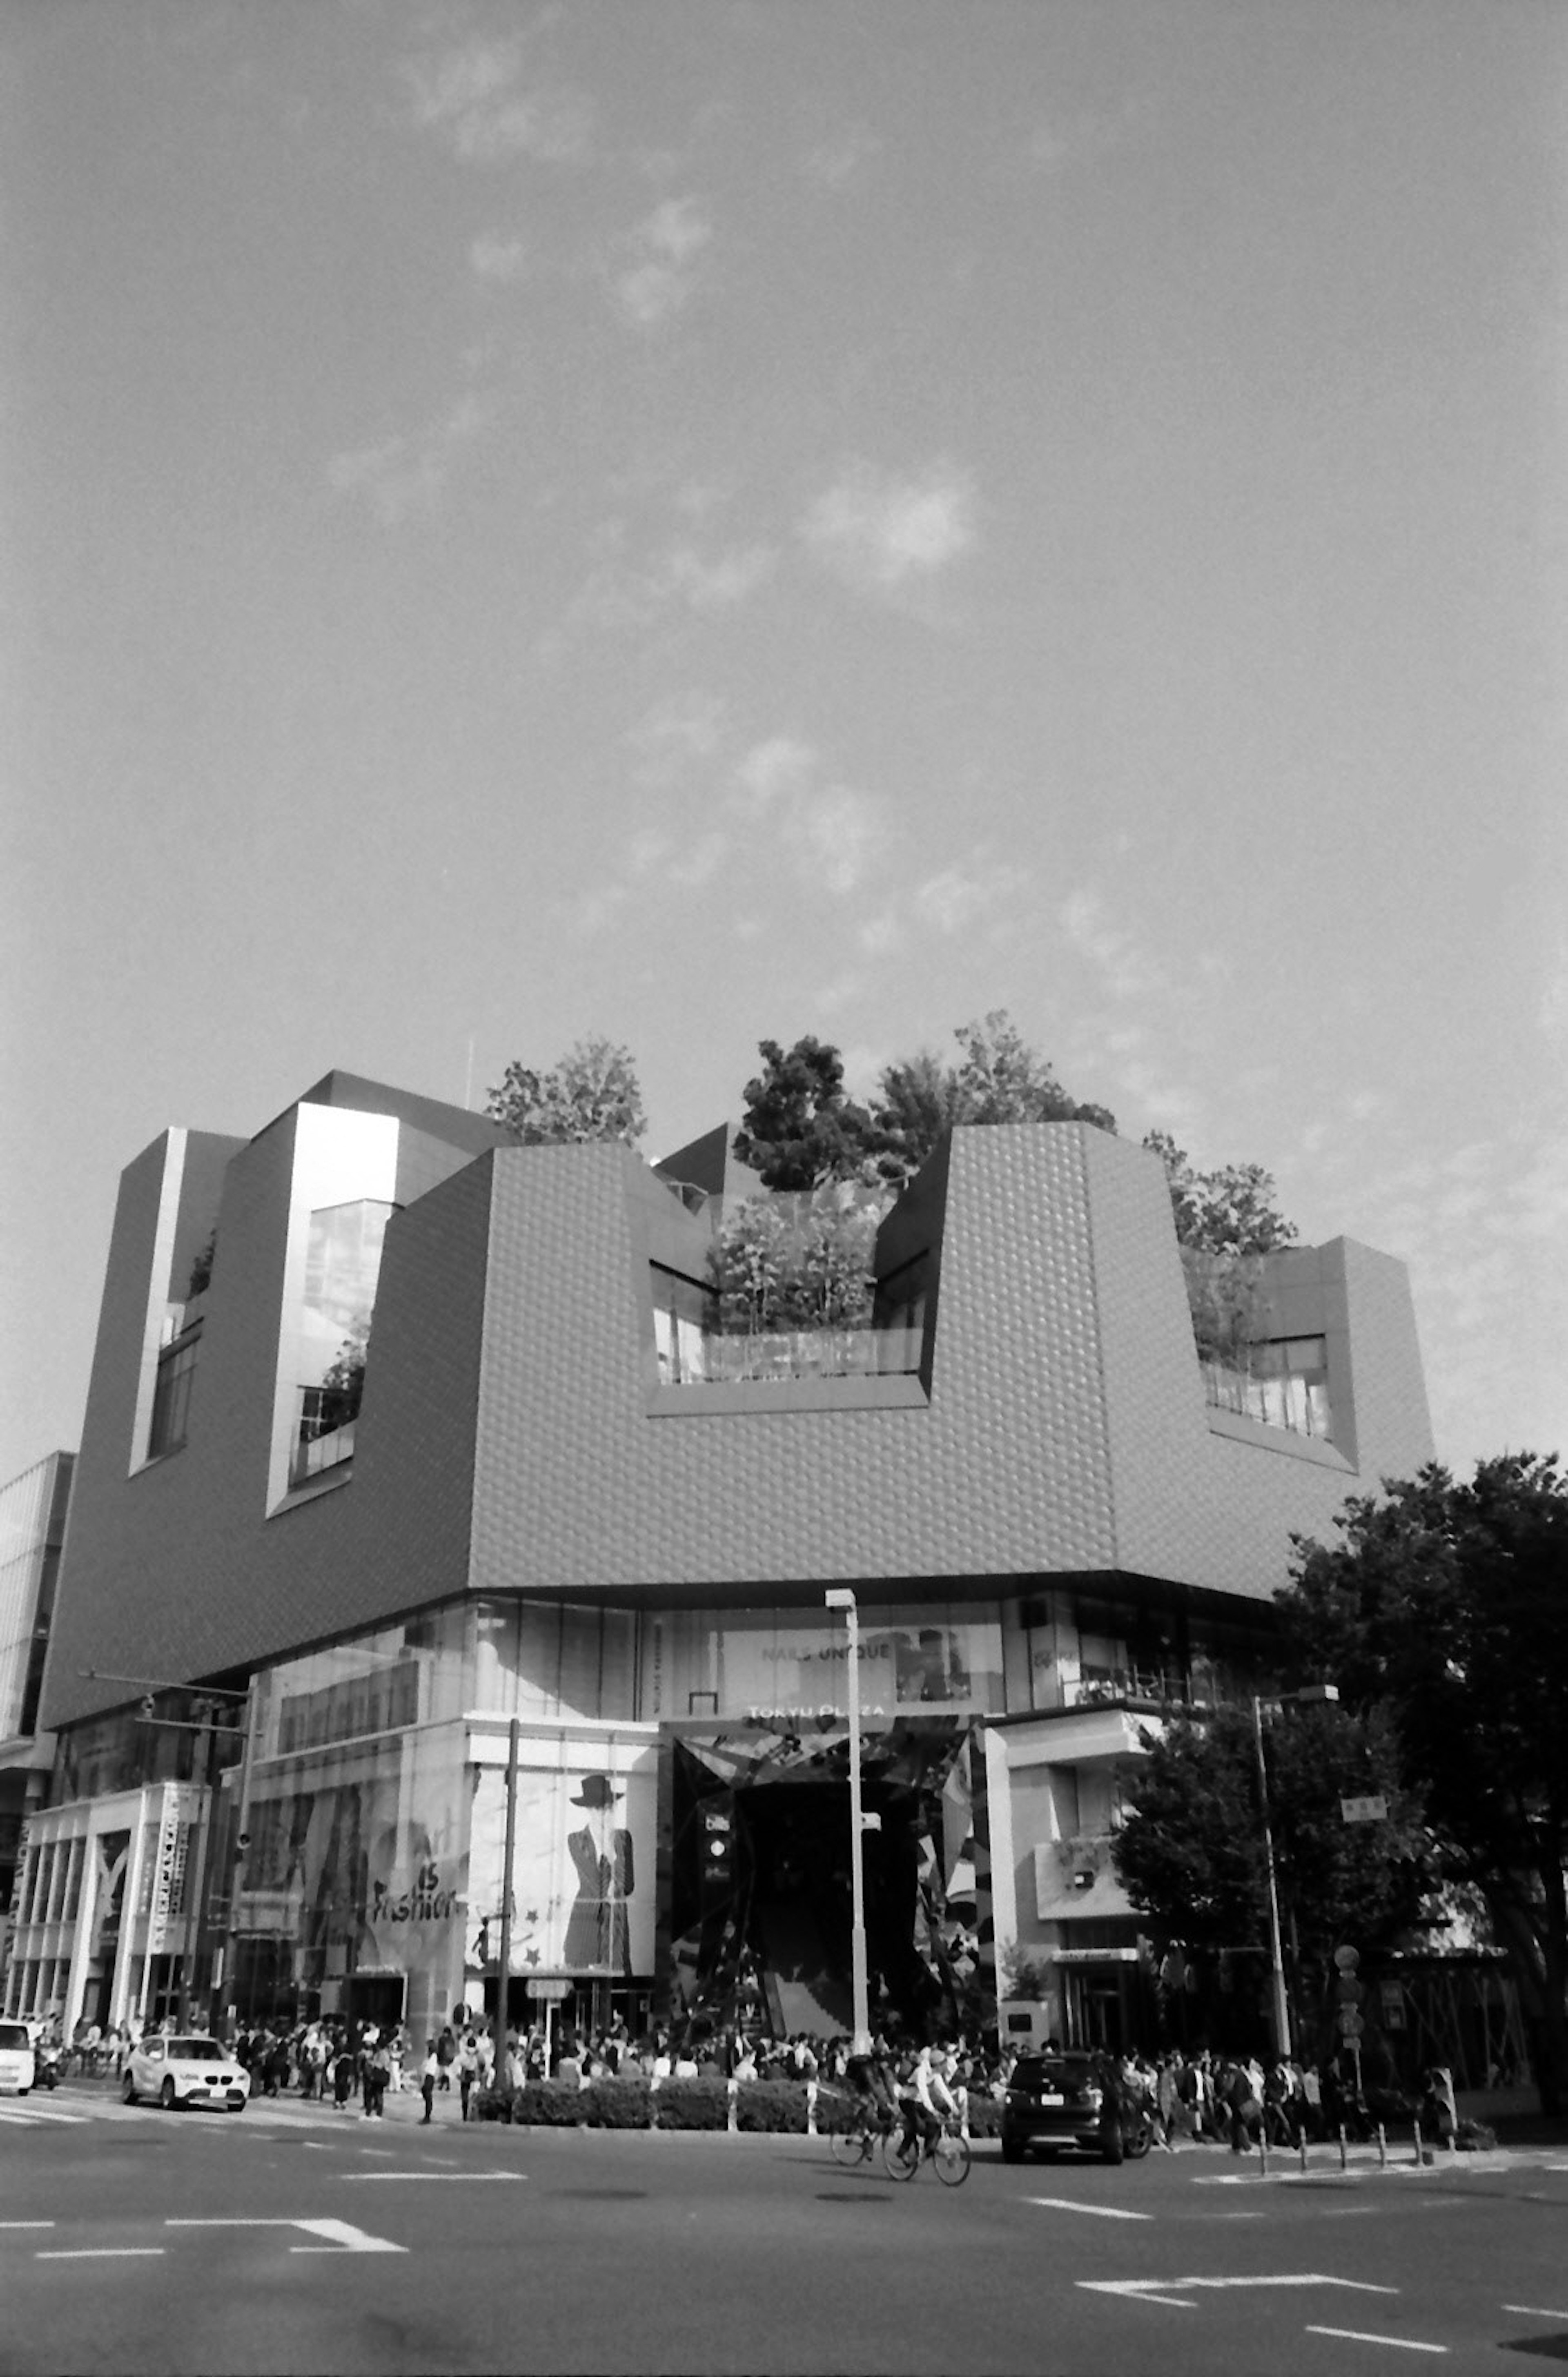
[(171, 1395)]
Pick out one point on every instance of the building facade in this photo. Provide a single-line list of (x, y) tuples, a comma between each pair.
[(398, 1432), (32, 1530)]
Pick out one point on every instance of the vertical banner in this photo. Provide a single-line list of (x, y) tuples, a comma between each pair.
[(169, 1867)]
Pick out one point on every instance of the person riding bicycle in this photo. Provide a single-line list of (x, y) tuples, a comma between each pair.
[(922, 2096), (870, 2077)]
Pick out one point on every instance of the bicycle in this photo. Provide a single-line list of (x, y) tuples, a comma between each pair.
[(852, 2146), (947, 2154)]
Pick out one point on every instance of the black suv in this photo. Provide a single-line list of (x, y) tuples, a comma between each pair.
[(1068, 2099)]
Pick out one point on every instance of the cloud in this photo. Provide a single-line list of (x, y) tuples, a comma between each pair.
[(659, 270), (715, 585), (841, 157), (884, 535), (619, 592), (777, 768), (677, 735), (406, 474), (960, 896), (1126, 973), (838, 833), (1060, 142), (468, 97), (494, 259)]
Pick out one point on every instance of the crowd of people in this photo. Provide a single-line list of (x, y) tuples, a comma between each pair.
[(1197, 2094)]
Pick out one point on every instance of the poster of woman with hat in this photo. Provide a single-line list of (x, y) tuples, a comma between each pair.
[(598, 1931)]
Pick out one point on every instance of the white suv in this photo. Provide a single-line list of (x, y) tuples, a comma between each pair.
[(192, 2071), (16, 2057)]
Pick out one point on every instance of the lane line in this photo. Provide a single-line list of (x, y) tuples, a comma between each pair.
[(49, 2224), (1525, 2310), (95, 2252), (1096, 2211), (476, 2178), (1361, 2336)]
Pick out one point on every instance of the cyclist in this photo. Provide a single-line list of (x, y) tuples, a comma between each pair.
[(870, 2076), (924, 2095)]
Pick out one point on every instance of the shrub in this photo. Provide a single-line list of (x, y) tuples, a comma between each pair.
[(690, 2104), (618, 2104), (776, 2105)]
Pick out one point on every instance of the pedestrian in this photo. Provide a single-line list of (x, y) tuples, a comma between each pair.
[(430, 2072), (468, 2068), (446, 2056)]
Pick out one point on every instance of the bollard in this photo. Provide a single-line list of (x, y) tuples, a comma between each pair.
[(654, 2100), (1301, 2146), (731, 2121), (1420, 2155), (1262, 2153), (1383, 2147), (1344, 2158), (810, 2109)]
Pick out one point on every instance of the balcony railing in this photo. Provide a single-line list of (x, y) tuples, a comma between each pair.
[(325, 1432), (702, 1359), (1287, 1401)]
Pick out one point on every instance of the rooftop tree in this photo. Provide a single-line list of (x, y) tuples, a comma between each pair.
[(801, 1126), (591, 1093)]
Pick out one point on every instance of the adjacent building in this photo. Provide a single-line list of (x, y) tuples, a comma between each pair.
[(32, 1529), (398, 1432)]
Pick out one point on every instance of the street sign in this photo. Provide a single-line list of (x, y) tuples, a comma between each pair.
[(1351, 2024), (1373, 1809), (1348, 1988), (548, 1993), (1347, 1959)]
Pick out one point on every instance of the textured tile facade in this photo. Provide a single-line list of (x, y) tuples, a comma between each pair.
[(513, 1436)]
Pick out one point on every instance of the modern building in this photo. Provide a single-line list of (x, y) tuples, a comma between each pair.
[(32, 1529), (399, 1432)]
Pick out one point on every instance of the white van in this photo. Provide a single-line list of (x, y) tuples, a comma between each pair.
[(16, 2057)]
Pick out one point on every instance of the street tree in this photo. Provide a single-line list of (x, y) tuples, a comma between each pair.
[(591, 1093), (1191, 1851), (1445, 1607)]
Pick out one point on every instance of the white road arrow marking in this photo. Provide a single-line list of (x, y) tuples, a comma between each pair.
[(1171, 2290), (1100, 2211), (340, 2235)]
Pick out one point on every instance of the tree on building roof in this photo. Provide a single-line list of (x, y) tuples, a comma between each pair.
[(591, 1093), (1228, 1212), (1446, 1605), (801, 1126)]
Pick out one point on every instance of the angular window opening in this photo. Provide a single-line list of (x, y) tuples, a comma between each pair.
[(171, 1395)]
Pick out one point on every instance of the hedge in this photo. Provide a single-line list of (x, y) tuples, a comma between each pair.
[(771, 2106)]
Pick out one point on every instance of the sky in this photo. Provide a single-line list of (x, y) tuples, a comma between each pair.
[(719, 520)]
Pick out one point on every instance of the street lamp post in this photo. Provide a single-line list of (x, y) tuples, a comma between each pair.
[(1276, 1955), (839, 1596), (1280, 2000)]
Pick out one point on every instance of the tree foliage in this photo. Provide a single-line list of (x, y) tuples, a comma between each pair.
[(1191, 1851), (999, 1078), (800, 1262), (1445, 1605), (591, 1093), (1230, 1211), (801, 1126)]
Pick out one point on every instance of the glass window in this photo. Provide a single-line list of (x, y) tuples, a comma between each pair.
[(171, 1395)]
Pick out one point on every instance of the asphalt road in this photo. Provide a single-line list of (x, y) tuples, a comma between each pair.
[(293, 2238)]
